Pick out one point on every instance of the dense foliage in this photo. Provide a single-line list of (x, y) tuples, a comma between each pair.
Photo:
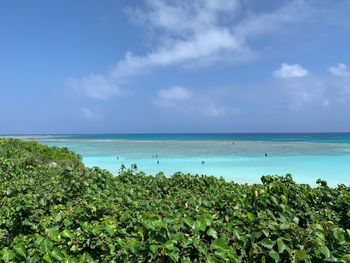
[(53, 209)]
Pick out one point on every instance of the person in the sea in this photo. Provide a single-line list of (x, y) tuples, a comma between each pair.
[(203, 162), (158, 162), (265, 154), (117, 157)]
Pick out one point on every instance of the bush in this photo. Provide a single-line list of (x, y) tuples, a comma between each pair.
[(54, 209)]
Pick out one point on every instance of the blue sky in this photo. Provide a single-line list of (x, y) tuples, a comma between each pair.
[(154, 66)]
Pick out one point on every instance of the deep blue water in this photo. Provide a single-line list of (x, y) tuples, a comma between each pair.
[(291, 137)]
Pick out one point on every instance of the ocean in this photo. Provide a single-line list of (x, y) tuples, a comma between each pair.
[(241, 158)]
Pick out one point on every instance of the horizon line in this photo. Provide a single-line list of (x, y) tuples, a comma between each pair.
[(172, 133)]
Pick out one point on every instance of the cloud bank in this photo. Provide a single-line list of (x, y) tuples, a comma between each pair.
[(95, 86), (183, 100), (191, 34), (302, 89)]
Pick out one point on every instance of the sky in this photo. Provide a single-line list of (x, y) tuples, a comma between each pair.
[(166, 66)]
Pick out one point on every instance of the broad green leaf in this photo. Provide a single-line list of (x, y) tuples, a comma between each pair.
[(7, 255), (199, 225), (111, 229), (266, 232), (47, 258), (267, 243), (185, 260), (174, 256), (325, 251), (53, 232), (20, 249), (212, 233), (96, 230), (44, 244), (57, 254), (84, 225), (34, 258), (275, 256), (154, 248), (274, 200), (284, 226), (221, 254), (250, 216), (299, 256), (169, 245), (219, 244), (66, 233), (74, 248), (281, 246), (346, 258), (133, 245), (284, 199)]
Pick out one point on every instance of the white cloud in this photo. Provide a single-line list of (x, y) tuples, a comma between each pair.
[(255, 25), (210, 46), (183, 18), (315, 90), (290, 71), (305, 94), (91, 114), (216, 111), (95, 86), (173, 97), (340, 70), (192, 33), (201, 32), (174, 93), (186, 101), (325, 90), (340, 82)]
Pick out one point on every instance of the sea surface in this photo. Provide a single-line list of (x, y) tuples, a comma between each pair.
[(237, 157)]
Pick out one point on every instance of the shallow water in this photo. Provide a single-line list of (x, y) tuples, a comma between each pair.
[(305, 156)]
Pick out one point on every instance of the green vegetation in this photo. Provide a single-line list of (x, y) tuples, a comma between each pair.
[(53, 209)]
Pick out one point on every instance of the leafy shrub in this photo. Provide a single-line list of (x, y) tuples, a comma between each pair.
[(53, 209)]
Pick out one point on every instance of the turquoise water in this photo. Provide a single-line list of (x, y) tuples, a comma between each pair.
[(237, 157)]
